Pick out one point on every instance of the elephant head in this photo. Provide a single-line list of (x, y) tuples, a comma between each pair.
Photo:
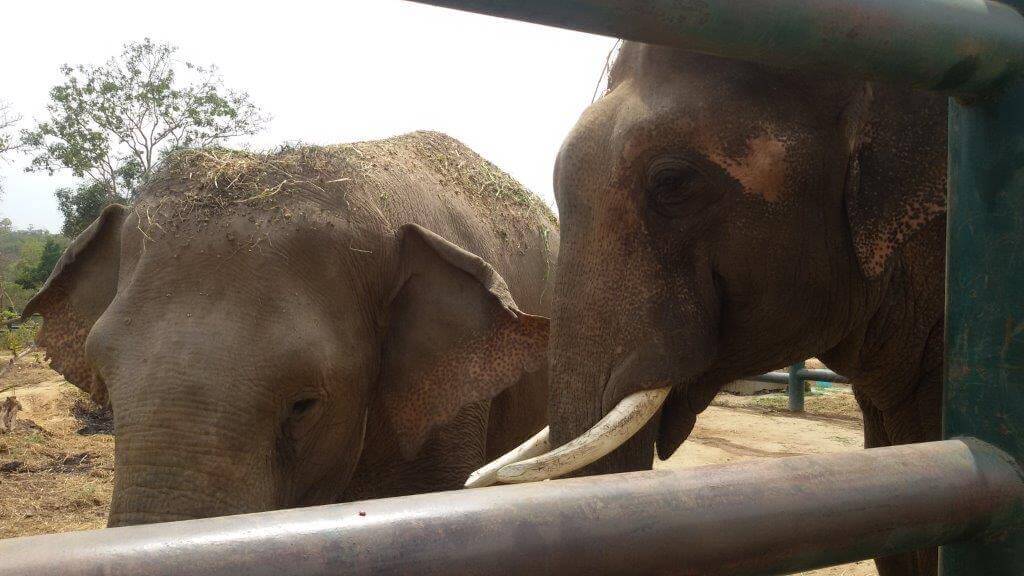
[(719, 219), (248, 374)]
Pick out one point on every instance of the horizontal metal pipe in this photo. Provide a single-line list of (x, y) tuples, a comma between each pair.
[(759, 517), (951, 46), (772, 377), (818, 375)]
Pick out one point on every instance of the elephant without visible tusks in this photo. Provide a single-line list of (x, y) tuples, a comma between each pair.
[(317, 325)]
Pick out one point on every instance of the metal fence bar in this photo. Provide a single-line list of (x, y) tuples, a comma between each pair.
[(819, 375), (772, 378), (795, 378), (815, 374), (710, 521), (796, 388), (951, 46), (984, 395)]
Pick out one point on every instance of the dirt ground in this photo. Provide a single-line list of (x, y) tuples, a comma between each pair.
[(52, 479), (55, 479)]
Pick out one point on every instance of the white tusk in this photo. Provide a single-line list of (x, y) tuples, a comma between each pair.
[(535, 446), (612, 431)]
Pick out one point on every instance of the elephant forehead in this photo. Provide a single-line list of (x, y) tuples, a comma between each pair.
[(755, 154), (760, 167)]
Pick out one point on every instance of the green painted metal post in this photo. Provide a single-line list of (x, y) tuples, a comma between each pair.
[(796, 388), (984, 392)]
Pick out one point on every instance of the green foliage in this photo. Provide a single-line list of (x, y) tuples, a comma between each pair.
[(16, 338), (29, 251), (32, 276), (111, 124), (18, 295), (83, 204), (24, 254)]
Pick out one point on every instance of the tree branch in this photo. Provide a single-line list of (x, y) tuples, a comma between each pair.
[(110, 123)]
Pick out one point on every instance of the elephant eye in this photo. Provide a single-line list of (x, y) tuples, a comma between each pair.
[(302, 406), (299, 420), (671, 185)]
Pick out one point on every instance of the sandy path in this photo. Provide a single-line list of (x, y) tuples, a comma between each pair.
[(743, 431)]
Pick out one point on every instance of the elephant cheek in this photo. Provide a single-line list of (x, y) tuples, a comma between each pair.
[(328, 469)]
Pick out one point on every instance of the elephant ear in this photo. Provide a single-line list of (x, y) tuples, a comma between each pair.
[(77, 292), (454, 337), (896, 179)]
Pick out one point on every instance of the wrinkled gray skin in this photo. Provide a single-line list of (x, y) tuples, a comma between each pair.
[(343, 343), (721, 219)]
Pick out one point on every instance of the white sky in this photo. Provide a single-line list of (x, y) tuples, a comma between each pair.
[(336, 71)]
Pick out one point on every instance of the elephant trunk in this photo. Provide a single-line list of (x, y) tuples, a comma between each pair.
[(155, 488), (184, 458)]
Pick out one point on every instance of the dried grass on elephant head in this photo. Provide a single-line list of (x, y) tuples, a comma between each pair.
[(194, 184)]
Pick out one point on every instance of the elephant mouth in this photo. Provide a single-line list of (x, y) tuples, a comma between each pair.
[(613, 430), (534, 460), (625, 415)]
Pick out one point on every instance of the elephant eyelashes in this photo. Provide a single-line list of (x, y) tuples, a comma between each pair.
[(672, 183)]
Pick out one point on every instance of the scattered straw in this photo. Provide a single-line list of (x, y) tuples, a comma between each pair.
[(219, 177), (51, 478)]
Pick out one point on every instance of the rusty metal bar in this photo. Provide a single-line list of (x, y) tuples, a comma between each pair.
[(950, 46), (761, 517)]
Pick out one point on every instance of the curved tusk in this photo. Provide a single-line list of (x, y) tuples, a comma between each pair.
[(612, 431), (534, 446)]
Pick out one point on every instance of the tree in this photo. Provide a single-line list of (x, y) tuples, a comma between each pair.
[(21, 252), (7, 121), (83, 204), (33, 276), (7, 141), (111, 124)]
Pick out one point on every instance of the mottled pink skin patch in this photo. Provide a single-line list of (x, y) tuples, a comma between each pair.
[(476, 367), (878, 247), (763, 170)]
